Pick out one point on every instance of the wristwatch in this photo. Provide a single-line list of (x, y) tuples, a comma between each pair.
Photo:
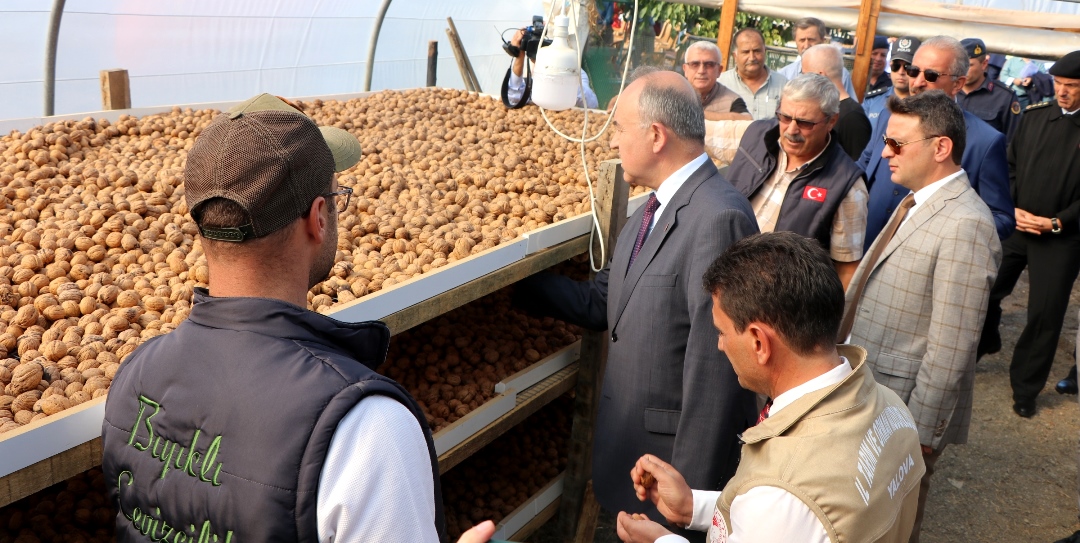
[(1055, 225)]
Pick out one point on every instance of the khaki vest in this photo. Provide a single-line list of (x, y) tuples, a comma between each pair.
[(850, 452), (719, 99)]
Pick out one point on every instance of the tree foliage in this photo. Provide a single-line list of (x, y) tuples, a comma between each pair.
[(701, 21)]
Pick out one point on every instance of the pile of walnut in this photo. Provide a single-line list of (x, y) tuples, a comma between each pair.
[(76, 510), (451, 365), (502, 476), (98, 252)]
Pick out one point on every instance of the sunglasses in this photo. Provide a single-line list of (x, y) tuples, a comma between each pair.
[(897, 64), (801, 123), (930, 75), (896, 146), (708, 64)]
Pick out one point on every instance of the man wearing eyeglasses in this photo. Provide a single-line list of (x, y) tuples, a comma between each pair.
[(798, 177), (1046, 185), (902, 51), (941, 63), (852, 128), (918, 299), (990, 100), (701, 68), (257, 419)]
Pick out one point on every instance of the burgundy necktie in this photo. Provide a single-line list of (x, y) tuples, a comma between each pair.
[(764, 412), (643, 232)]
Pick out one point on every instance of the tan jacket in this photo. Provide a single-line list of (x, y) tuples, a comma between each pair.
[(924, 305), (850, 452)]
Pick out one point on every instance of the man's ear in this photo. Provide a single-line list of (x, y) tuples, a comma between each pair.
[(317, 223), (658, 135), (762, 342)]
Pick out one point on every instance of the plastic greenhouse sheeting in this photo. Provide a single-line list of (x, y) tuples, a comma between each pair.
[(180, 52)]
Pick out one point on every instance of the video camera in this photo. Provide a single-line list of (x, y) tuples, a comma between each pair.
[(534, 36)]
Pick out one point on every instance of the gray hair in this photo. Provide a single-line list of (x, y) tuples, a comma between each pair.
[(960, 64), (679, 109), (703, 46), (828, 57), (816, 88), (812, 22)]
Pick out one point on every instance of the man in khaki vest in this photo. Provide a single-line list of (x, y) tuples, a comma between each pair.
[(701, 67), (834, 457)]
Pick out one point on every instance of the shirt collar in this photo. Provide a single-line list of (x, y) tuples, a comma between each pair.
[(827, 379), (926, 192), (671, 185)]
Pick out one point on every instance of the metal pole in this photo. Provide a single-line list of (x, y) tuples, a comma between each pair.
[(50, 55), (374, 41)]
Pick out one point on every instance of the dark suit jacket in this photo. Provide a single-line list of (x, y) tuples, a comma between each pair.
[(667, 390), (984, 161)]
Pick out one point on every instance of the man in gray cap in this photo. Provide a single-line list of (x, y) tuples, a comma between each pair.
[(1045, 183), (902, 51), (257, 419), (988, 99)]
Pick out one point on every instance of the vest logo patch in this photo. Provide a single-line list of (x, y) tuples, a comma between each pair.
[(816, 194), (718, 529)]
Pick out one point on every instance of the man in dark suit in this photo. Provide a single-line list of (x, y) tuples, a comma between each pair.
[(941, 63), (667, 391)]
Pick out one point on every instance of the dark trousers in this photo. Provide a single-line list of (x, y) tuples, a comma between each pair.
[(1053, 262)]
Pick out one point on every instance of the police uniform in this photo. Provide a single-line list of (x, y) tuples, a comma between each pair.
[(993, 101), (1045, 177), (874, 102)]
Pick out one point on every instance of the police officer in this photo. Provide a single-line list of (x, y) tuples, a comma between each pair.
[(901, 51), (989, 99), (1046, 190)]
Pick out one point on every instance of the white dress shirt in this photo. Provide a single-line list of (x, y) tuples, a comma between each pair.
[(925, 193), (768, 514), (672, 184), (376, 483), (515, 88)]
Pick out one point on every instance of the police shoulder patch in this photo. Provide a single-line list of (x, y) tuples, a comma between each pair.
[(1038, 106), (1015, 108)]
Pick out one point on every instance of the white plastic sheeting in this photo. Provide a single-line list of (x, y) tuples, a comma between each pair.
[(1020, 27), (180, 52)]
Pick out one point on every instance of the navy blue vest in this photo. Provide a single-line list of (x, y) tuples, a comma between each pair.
[(805, 210), (218, 431)]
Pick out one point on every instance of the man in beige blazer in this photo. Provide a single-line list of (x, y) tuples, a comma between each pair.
[(926, 282)]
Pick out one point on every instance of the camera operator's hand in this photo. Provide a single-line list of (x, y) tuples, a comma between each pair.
[(519, 62)]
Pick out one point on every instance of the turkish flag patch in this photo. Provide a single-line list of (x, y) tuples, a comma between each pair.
[(816, 194)]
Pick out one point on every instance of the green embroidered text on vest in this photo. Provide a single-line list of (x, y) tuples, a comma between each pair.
[(143, 438)]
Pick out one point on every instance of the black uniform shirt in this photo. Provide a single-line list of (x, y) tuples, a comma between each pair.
[(1044, 164), (853, 129), (994, 103)]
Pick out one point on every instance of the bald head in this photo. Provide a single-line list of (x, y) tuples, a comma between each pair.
[(826, 60), (667, 98)]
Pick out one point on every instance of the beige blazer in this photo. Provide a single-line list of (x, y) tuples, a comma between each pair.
[(924, 305)]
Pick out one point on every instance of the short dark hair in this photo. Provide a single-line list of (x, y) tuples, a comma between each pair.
[(748, 30), (812, 22), (784, 280), (938, 115)]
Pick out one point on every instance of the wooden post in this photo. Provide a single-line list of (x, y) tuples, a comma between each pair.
[(432, 61), (726, 30), (864, 45), (115, 91), (471, 74), (459, 56), (611, 200)]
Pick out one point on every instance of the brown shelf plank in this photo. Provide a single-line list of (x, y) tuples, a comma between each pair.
[(477, 288), (50, 471), (528, 402)]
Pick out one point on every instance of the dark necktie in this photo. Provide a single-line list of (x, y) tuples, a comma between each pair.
[(886, 237), (643, 232), (764, 412)]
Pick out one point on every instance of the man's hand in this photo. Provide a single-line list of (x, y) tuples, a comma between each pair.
[(637, 528), (662, 484), (479, 533), (1032, 224), (519, 61)]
